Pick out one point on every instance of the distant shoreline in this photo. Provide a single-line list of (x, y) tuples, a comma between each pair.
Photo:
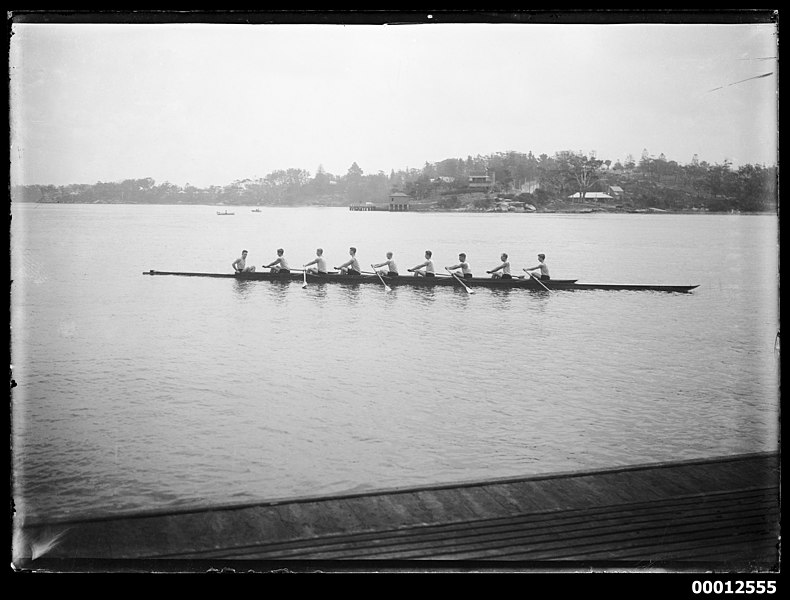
[(582, 210)]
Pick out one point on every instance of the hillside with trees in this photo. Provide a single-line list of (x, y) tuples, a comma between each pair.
[(544, 182)]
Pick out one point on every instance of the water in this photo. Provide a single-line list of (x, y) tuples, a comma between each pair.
[(137, 392)]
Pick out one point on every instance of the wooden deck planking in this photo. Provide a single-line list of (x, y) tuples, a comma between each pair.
[(501, 534), (555, 536), (717, 509)]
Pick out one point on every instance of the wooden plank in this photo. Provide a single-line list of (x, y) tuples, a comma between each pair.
[(620, 544), (474, 533), (445, 505)]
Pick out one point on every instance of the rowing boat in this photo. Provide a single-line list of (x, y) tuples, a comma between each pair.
[(407, 280)]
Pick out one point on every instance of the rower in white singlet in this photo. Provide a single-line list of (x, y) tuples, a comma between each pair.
[(392, 268), (504, 267), (466, 271), (319, 261), (279, 265), (351, 266), (424, 269), (541, 266)]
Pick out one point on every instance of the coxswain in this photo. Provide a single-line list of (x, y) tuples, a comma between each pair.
[(466, 272), (279, 265), (424, 269), (504, 267), (319, 261), (351, 266), (392, 268), (240, 264)]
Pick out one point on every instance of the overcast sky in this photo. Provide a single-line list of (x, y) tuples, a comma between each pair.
[(207, 104)]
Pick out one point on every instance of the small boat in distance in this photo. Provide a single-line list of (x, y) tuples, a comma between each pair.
[(225, 213), (256, 210)]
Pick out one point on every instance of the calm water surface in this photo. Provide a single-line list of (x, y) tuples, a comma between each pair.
[(137, 392)]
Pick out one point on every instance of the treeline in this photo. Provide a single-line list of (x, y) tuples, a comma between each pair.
[(650, 182)]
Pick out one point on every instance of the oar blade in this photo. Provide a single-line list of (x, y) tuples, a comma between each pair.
[(458, 279), (386, 287)]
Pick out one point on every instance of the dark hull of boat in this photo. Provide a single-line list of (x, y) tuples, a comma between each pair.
[(486, 282)]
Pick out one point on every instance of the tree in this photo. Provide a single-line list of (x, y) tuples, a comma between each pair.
[(585, 171), (756, 188), (354, 172), (321, 182)]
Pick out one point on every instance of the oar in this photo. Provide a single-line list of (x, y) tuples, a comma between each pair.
[(536, 279), (458, 279), (304, 278), (386, 287)]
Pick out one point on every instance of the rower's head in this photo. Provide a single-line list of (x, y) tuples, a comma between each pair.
[(352, 251), (319, 251), (462, 256), (389, 254), (243, 253), (280, 251), (428, 254), (504, 256), (541, 256)]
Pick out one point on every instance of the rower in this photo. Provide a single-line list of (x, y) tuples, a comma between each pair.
[(392, 268), (279, 265), (541, 266), (351, 266), (240, 264), (427, 265), (504, 267), (466, 272), (319, 261)]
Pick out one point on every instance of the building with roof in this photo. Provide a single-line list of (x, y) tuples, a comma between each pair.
[(399, 201), (480, 181), (616, 191), (592, 196)]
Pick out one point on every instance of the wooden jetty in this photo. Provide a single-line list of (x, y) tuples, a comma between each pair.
[(720, 513)]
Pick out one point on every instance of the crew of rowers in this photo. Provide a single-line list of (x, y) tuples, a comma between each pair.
[(318, 266)]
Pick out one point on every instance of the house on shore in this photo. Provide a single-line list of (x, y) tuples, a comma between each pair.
[(399, 202), (591, 197), (615, 191), (480, 181)]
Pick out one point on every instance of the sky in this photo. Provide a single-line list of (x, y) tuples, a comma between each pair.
[(208, 104)]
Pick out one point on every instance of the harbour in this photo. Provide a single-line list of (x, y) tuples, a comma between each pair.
[(449, 328), (154, 396)]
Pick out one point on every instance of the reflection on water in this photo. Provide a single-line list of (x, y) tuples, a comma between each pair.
[(426, 295), (350, 292), (243, 288)]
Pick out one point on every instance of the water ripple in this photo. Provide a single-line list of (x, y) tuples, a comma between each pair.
[(144, 392)]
